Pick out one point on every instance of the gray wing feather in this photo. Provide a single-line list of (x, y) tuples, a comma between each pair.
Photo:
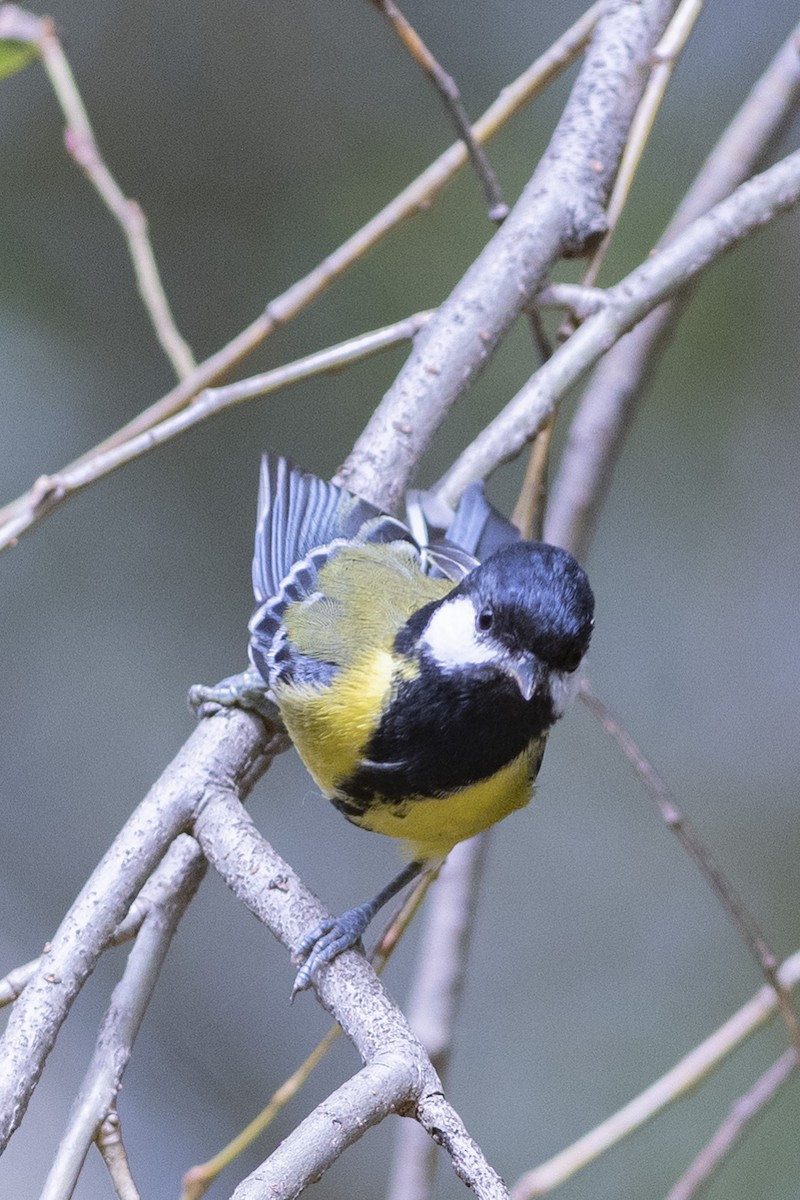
[(301, 520), (297, 513)]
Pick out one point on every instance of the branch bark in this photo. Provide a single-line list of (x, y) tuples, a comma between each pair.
[(228, 752), (560, 212), (750, 207), (398, 1074), (623, 376)]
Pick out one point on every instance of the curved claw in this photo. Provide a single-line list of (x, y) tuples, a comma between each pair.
[(330, 938)]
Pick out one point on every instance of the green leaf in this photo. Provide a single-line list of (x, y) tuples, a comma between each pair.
[(14, 56)]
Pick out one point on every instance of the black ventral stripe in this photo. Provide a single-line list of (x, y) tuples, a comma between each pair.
[(443, 734)]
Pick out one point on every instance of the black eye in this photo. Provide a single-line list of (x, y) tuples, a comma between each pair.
[(485, 619), (570, 662)]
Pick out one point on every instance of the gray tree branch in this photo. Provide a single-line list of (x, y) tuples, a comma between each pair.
[(399, 1074), (227, 753), (622, 377), (97, 1096), (751, 206), (560, 212)]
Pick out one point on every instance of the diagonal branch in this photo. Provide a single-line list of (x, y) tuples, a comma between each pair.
[(560, 212), (733, 1128), (82, 147), (447, 88), (747, 210), (621, 380), (694, 846), (415, 198)]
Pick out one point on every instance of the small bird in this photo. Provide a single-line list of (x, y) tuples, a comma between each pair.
[(417, 684)]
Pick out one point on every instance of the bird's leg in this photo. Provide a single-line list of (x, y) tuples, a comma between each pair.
[(336, 934)]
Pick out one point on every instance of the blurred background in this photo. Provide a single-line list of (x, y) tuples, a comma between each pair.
[(257, 137)]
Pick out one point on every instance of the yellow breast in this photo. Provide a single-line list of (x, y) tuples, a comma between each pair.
[(330, 727)]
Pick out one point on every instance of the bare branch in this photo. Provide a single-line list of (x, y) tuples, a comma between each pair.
[(82, 147), (96, 1099), (436, 997), (560, 212), (694, 846), (682, 1079), (747, 210), (51, 491), (418, 196), (451, 98), (399, 1074), (226, 752), (734, 1127), (602, 421)]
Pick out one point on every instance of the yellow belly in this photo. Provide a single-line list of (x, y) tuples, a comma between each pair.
[(433, 826)]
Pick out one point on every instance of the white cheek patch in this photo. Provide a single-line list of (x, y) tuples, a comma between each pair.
[(452, 639)]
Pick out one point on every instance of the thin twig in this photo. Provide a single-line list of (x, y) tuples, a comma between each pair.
[(681, 1080), (52, 490), (112, 1149), (747, 210), (451, 98), (97, 1095), (619, 384), (734, 1127), (82, 147), (417, 197), (699, 853)]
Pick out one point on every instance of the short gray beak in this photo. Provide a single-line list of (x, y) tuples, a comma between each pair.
[(526, 671)]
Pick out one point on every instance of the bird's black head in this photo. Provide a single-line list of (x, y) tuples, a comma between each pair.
[(525, 613), (534, 597)]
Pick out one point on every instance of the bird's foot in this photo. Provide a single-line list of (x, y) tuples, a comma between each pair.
[(330, 938), (246, 690)]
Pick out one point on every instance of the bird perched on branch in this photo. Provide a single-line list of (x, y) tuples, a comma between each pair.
[(417, 684)]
